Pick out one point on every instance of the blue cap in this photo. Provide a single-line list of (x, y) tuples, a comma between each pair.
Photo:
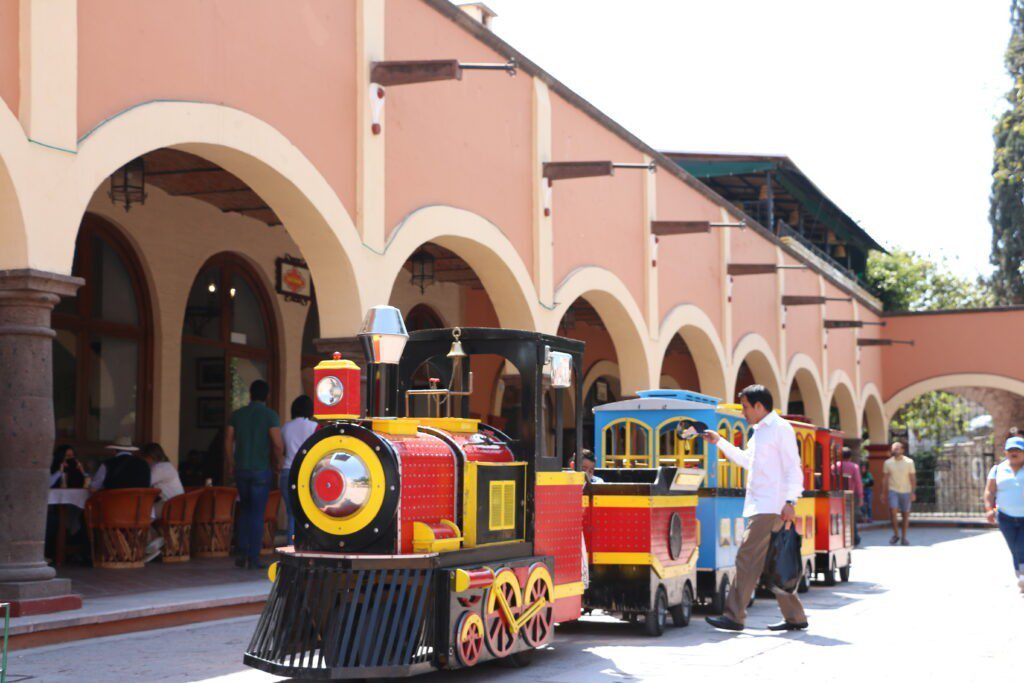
[(1014, 442)]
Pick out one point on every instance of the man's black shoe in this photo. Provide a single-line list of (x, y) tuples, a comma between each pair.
[(724, 622), (787, 626), (257, 564)]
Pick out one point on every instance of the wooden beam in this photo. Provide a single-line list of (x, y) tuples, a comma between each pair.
[(800, 300), (566, 170), (662, 228), (847, 324), (404, 72), (751, 268), (884, 342)]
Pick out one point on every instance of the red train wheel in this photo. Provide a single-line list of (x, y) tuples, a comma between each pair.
[(471, 639), (497, 631), (539, 588)]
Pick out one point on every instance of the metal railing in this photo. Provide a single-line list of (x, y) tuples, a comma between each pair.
[(784, 230), (951, 482)]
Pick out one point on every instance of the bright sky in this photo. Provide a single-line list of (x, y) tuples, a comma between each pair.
[(887, 106)]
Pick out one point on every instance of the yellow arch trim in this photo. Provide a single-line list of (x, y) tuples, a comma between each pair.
[(628, 456)]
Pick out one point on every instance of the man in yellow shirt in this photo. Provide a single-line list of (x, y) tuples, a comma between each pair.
[(900, 481)]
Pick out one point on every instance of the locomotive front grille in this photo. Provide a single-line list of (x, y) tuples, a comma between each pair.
[(323, 621)]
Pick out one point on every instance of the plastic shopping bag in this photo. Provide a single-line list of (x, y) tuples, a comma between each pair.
[(784, 567)]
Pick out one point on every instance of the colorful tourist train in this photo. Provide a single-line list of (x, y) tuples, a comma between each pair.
[(435, 541)]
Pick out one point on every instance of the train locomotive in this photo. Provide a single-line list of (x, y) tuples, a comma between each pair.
[(650, 431), (431, 542), (834, 511)]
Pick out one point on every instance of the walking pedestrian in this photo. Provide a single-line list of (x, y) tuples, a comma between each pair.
[(869, 487), (294, 433), (848, 473), (1004, 502), (899, 482), (252, 445), (774, 482)]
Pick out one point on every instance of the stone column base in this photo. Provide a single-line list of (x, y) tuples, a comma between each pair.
[(28, 598)]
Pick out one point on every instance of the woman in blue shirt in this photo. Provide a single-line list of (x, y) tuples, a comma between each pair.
[(1004, 501)]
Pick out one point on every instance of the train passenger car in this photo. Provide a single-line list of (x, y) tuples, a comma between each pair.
[(806, 505), (835, 510), (650, 431), (432, 542)]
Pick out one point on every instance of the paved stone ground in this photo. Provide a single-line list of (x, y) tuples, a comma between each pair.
[(946, 608)]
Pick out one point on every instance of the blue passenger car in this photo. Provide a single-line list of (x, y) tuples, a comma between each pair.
[(649, 431)]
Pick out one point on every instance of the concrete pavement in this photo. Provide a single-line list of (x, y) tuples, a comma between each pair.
[(946, 608)]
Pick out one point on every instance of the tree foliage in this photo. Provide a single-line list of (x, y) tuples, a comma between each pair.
[(1006, 211), (905, 281), (936, 416)]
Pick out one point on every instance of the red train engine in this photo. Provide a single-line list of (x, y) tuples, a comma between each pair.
[(427, 542), (834, 511)]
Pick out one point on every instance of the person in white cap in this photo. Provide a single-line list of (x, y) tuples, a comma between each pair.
[(124, 470), (1004, 501)]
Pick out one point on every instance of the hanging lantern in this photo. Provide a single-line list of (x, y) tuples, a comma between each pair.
[(840, 251), (422, 269), (128, 184)]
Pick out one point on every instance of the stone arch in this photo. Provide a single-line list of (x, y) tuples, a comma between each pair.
[(602, 368), (701, 337), (250, 149), (13, 235), (804, 373), (873, 415), (952, 381), (841, 392), (481, 244), (621, 316), (753, 349)]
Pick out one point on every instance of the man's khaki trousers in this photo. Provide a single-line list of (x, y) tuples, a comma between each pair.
[(749, 565)]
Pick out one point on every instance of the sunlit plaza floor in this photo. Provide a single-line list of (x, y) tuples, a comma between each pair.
[(946, 608)]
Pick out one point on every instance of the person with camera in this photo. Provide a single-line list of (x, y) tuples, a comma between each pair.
[(774, 483)]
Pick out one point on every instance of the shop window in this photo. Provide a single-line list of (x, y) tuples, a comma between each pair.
[(101, 352), (227, 343)]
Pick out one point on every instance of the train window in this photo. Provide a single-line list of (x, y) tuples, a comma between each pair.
[(679, 443), (627, 443)]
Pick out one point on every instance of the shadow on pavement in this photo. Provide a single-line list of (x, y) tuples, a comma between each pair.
[(919, 536)]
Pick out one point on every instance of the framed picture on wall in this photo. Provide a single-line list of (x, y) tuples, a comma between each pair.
[(210, 412), (210, 373)]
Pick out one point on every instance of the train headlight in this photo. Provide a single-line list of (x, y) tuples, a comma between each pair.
[(330, 390), (340, 484)]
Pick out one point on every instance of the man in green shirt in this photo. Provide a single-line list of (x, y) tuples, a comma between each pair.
[(253, 447)]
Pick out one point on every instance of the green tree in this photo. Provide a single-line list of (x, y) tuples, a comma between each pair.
[(1006, 212), (906, 281)]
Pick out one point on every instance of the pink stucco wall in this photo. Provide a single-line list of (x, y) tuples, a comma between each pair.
[(842, 345), (755, 298), (240, 53), (689, 266), (462, 143), (9, 90), (954, 343), (803, 323), (681, 368), (597, 221)]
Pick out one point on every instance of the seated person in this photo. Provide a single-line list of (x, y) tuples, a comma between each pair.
[(124, 471), (588, 463), (162, 474), (66, 470)]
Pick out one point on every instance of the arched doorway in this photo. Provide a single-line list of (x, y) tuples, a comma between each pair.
[(228, 341), (102, 353)]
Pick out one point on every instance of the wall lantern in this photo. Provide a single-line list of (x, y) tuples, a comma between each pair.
[(422, 269), (128, 184)]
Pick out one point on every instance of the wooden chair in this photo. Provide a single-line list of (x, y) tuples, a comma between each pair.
[(175, 525), (270, 522), (214, 521), (118, 521)]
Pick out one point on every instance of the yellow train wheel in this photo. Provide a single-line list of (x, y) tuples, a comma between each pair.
[(470, 640), (501, 608), (539, 589)]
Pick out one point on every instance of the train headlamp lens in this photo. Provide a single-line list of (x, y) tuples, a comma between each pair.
[(340, 484), (330, 390)]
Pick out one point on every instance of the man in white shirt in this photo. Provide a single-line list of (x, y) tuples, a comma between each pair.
[(773, 485)]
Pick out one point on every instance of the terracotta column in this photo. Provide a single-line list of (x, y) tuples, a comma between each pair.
[(27, 298), (877, 455)]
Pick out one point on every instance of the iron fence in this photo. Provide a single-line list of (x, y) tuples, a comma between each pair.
[(951, 482)]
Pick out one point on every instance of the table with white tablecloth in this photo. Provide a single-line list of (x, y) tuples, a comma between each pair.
[(76, 497)]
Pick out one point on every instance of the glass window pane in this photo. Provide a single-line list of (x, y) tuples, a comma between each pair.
[(65, 381), (201, 423), (113, 388), (113, 296), (311, 331), (203, 310), (244, 371), (246, 315)]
